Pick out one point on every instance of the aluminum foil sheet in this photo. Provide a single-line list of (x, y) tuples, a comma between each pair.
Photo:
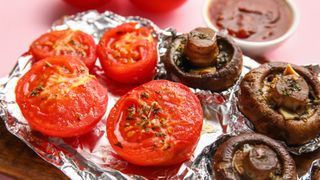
[(90, 156)]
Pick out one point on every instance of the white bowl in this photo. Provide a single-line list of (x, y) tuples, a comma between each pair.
[(255, 49)]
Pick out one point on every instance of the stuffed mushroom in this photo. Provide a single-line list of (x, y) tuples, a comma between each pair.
[(204, 59), (282, 101), (253, 157)]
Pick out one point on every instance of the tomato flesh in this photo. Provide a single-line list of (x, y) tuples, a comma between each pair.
[(156, 124), (65, 42), (128, 53), (58, 97)]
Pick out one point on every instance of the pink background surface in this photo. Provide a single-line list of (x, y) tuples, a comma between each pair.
[(24, 20)]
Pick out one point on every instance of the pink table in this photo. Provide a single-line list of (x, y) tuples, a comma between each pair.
[(23, 21)]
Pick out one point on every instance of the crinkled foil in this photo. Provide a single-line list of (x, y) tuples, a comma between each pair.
[(90, 156)]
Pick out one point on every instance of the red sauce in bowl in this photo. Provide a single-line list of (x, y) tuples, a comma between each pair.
[(252, 20)]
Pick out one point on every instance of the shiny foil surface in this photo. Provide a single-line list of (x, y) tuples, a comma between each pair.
[(90, 156)]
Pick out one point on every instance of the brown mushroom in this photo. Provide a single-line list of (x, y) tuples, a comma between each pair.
[(204, 59), (315, 175), (253, 156), (282, 101)]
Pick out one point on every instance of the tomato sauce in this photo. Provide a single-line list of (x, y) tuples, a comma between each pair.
[(252, 20)]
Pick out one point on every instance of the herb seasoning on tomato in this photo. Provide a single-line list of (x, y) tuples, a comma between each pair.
[(156, 124), (66, 42), (59, 97), (128, 53)]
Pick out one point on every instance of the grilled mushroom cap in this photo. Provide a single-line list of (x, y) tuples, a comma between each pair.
[(282, 105), (203, 59), (253, 156)]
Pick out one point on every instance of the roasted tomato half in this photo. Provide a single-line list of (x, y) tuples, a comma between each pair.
[(128, 53), (58, 97), (66, 42), (156, 124)]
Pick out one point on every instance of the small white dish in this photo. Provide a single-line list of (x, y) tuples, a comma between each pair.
[(255, 49)]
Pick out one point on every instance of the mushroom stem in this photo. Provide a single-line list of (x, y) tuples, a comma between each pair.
[(290, 90), (202, 47), (260, 163)]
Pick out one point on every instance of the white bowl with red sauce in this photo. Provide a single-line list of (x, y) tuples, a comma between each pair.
[(231, 16)]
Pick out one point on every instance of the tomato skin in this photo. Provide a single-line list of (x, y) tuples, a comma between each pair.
[(128, 54), (163, 137), (65, 42), (86, 4), (58, 97), (158, 5)]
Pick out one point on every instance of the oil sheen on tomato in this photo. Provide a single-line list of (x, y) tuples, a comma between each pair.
[(252, 20), (156, 124)]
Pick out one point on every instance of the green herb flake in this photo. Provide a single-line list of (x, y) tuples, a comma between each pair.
[(260, 91), (144, 123), (293, 85), (144, 95), (286, 92), (202, 36), (81, 70), (155, 107), (163, 122), (130, 117), (140, 111), (131, 111), (156, 110), (160, 134), (154, 104), (75, 43), (47, 64), (36, 91), (162, 141), (146, 109), (180, 48)]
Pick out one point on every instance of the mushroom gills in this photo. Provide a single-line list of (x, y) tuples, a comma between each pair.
[(202, 71)]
